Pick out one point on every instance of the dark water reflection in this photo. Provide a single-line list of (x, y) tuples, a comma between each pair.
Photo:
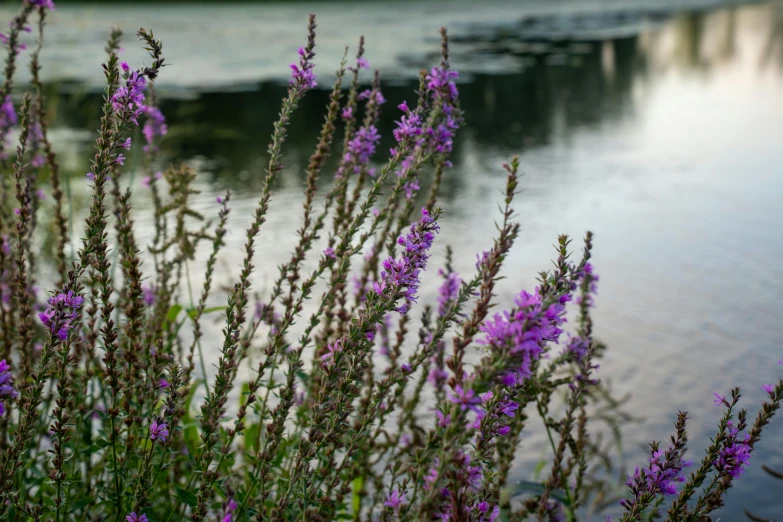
[(666, 142)]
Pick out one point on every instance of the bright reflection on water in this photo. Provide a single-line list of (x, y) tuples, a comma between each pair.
[(663, 138)]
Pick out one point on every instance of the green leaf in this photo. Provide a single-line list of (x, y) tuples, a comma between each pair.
[(173, 312), (192, 311), (526, 487), (356, 498), (187, 497)]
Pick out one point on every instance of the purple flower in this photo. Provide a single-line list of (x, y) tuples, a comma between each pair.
[(395, 500), (302, 76), (127, 144), (474, 473), (437, 376), (521, 333), (62, 309), (46, 4), (719, 400), (734, 454), (372, 95), (466, 399), (407, 368), (159, 431), (328, 358), (403, 274), (163, 383), (732, 458), (448, 291), (362, 63), (441, 81), (6, 381), (347, 113), (769, 388), (91, 176), (482, 259), (660, 475), (409, 126), (38, 161), (133, 517), (154, 126), (128, 101), (508, 408), (443, 420), (329, 252), (150, 294)]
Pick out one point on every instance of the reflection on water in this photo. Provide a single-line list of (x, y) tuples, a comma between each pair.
[(665, 142)]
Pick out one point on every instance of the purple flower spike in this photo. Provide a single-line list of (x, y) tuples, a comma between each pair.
[(302, 75), (403, 274), (6, 381), (448, 291)]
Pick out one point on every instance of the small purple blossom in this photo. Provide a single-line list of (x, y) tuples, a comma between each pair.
[(155, 126), (395, 500), (719, 400), (150, 294), (769, 388), (443, 419), (329, 252), (133, 517), (407, 368), (159, 431), (466, 399), (327, 359)]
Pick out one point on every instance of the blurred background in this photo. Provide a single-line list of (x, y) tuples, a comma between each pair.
[(657, 124)]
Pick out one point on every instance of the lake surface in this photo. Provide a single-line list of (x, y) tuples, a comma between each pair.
[(659, 130)]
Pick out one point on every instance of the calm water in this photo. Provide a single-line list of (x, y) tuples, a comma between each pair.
[(659, 131)]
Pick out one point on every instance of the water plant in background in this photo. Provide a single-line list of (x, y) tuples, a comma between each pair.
[(336, 396)]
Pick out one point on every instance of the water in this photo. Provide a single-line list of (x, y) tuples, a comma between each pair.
[(658, 130)]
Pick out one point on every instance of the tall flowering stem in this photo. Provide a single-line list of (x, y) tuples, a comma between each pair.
[(302, 80), (50, 157)]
